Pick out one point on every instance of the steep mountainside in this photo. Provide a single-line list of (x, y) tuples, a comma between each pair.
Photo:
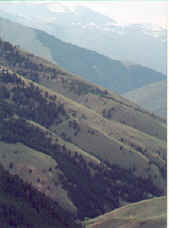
[(152, 97), (59, 178), (90, 161), (102, 34), (104, 71), (104, 102), (145, 214), (22, 206)]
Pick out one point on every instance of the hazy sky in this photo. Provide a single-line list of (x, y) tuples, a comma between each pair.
[(129, 11), (124, 11)]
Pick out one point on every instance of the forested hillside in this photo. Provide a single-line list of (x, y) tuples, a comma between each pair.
[(85, 148)]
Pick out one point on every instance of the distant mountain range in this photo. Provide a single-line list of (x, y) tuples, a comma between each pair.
[(104, 71), (70, 149), (143, 44)]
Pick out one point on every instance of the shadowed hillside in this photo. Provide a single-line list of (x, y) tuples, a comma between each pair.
[(21, 205), (86, 159), (108, 104), (44, 134)]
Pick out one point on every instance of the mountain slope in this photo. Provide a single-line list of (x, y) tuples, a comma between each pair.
[(152, 97), (145, 214), (111, 106), (26, 99), (23, 206), (91, 65), (79, 139)]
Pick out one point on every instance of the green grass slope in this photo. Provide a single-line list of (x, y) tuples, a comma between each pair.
[(89, 64), (145, 214), (152, 97), (69, 120), (109, 105), (117, 122), (102, 162), (37, 169), (22, 206), (50, 123)]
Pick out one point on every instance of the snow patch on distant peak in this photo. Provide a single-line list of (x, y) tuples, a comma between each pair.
[(61, 8)]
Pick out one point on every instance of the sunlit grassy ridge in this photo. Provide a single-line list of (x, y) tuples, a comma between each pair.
[(92, 161), (147, 213), (112, 139)]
